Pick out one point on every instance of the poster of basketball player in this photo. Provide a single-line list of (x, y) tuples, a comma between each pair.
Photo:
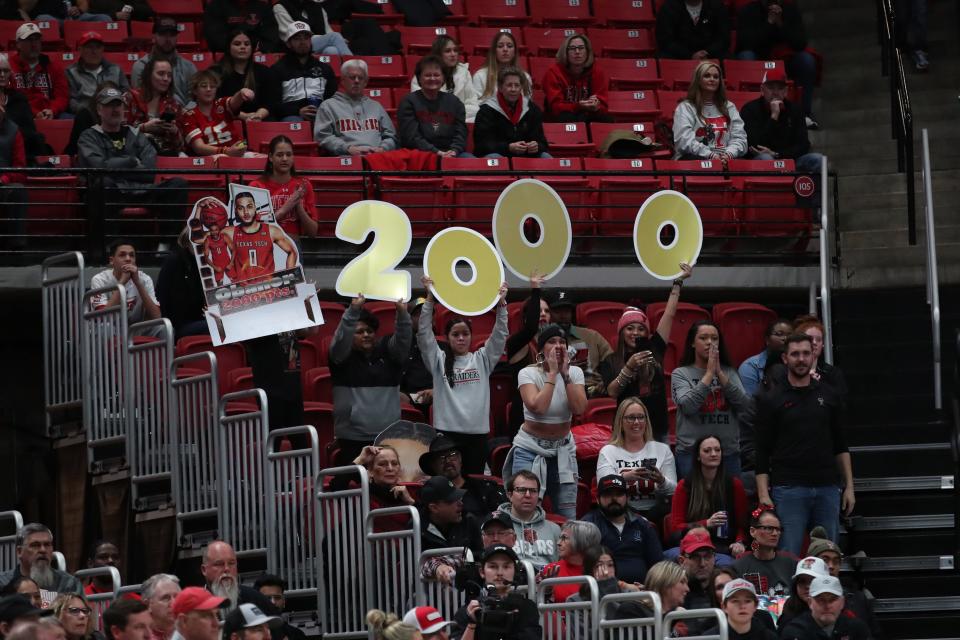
[(252, 278), (411, 440)]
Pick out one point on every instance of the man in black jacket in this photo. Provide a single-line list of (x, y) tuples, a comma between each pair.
[(775, 126), (825, 620), (803, 464), (481, 497), (220, 17), (693, 29), (769, 29), (445, 525), (304, 81)]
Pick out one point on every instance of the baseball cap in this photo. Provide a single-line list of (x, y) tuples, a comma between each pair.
[(18, 606), (811, 566), (248, 615), (109, 95), (296, 27), (89, 36), (561, 298), (440, 489), (738, 585), (26, 30), (497, 516), (425, 619), (774, 75), (165, 24), (494, 549), (196, 599), (612, 481), (696, 540), (825, 584)]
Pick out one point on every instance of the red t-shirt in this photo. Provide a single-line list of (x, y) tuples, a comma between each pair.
[(215, 130), (219, 255), (252, 253), (562, 569), (280, 193)]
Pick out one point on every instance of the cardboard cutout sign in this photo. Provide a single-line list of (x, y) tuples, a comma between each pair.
[(459, 246), (662, 210), (534, 199), (250, 268), (411, 440)]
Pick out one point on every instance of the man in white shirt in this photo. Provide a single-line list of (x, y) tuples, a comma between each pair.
[(141, 299)]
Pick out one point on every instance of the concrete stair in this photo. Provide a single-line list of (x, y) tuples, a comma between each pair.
[(853, 108)]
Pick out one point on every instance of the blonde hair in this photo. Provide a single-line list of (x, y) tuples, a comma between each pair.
[(663, 575), (387, 626), (492, 65), (617, 438), (719, 97), (60, 605), (562, 51)]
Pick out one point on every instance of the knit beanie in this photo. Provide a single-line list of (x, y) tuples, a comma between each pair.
[(549, 331), (820, 543), (631, 315)]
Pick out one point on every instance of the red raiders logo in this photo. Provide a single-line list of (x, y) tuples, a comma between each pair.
[(803, 186)]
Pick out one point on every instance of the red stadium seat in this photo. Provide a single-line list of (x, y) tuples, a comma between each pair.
[(422, 199), (317, 385), (385, 97), (561, 13), (386, 313), (229, 356), (602, 317), (8, 33), (497, 457), (747, 75), (56, 132), (320, 416), (384, 71), (740, 98), (242, 169), (676, 74), (741, 326), (268, 59), (141, 35), (418, 40), (498, 12), (538, 69), (201, 185), (574, 190), (712, 193), (633, 106), (501, 390), (200, 59), (619, 198), (544, 41), (239, 379), (623, 43), (668, 101), (476, 40), (259, 135), (332, 312), (568, 139), (114, 33), (182, 10), (480, 326), (49, 34), (333, 192), (687, 314), (600, 410), (60, 162), (769, 201), (515, 316), (124, 60), (633, 73), (315, 351), (474, 196), (624, 13)]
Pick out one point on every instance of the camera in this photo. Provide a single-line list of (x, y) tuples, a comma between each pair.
[(497, 614)]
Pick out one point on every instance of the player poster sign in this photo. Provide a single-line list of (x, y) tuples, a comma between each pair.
[(252, 278)]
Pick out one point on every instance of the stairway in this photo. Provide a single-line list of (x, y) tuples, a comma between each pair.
[(904, 468), (853, 108)]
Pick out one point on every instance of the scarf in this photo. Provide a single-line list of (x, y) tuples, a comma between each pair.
[(513, 113)]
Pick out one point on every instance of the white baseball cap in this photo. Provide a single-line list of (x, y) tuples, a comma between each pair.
[(296, 27), (826, 584), (26, 30), (811, 566), (738, 585)]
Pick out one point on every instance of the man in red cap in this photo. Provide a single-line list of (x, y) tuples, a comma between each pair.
[(775, 126), (698, 557), (429, 622), (90, 71), (197, 613)]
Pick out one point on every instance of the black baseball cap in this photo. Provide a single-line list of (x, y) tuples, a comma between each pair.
[(561, 298), (165, 24), (494, 549), (440, 489), (18, 606), (498, 516), (614, 481)]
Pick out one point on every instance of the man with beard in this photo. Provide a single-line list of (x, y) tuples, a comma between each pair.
[(104, 553), (802, 456), (443, 459), (698, 558), (445, 525), (633, 541), (253, 242), (35, 558)]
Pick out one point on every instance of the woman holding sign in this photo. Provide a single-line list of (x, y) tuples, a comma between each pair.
[(461, 388), (553, 392), (709, 396), (635, 369)]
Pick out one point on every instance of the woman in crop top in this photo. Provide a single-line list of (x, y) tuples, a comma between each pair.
[(553, 392)]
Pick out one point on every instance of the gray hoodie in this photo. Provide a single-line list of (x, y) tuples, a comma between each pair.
[(536, 538), (83, 83), (690, 131), (344, 122)]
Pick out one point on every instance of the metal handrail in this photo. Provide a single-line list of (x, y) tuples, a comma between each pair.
[(825, 314), (933, 279)]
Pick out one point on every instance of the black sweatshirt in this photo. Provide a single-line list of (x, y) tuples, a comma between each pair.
[(799, 434), (755, 33), (787, 135)]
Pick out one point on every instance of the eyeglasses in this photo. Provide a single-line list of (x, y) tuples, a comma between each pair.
[(78, 611), (525, 490), (576, 48), (450, 455), (768, 528), (635, 418)]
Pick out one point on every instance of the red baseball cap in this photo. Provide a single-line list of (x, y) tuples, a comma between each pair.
[(694, 540), (89, 36), (196, 599), (774, 75), (425, 619)]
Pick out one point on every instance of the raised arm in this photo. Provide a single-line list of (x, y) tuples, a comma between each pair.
[(673, 300), (493, 347)]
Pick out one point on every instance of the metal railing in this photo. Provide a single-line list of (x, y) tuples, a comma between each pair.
[(697, 614), (619, 627), (430, 591), (148, 441), (62, 338), (933, 277), (901, 112), (8, 541), (241, 442), (569, 620), (100, 602), (765, 223), (392, 573), (826, 273), (108, 397)]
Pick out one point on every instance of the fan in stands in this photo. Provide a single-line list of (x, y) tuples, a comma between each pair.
[(338, 128), (165, 34), (91, 70), (37, 76), (208, 127)]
